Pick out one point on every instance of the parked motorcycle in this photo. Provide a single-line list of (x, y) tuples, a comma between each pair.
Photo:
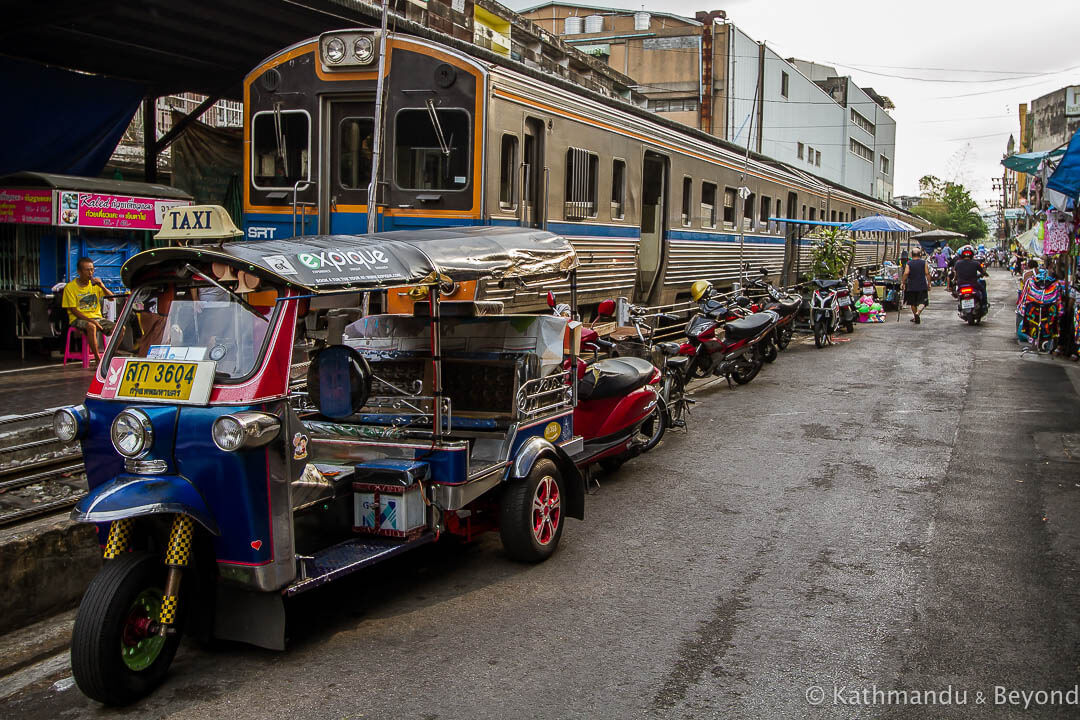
[(745, 341), (785, 305), (617, 414), (825, 309)]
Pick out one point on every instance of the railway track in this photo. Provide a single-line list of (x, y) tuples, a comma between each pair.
[(39, 475)]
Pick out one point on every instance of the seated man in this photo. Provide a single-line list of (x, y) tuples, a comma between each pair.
[(82, 298)]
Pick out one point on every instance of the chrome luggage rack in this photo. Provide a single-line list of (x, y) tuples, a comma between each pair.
[(546, 395)]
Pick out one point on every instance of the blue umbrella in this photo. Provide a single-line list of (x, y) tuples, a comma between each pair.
[(880, 223)]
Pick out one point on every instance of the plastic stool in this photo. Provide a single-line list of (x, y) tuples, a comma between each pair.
[(84, 347)]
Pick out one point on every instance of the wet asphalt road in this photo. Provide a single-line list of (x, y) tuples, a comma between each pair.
[(897, 512)]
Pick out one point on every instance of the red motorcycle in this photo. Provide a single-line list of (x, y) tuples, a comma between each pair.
[(742, 350), (617, 413)]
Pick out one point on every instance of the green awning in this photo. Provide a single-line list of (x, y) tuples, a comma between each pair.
[(1029, 162)]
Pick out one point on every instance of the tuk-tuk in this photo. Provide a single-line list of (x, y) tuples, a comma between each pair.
[(274, 430)]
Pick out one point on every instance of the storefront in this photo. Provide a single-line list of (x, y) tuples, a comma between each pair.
[(47, 222)]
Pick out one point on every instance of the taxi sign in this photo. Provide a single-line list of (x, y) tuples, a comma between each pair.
[(194, 223)]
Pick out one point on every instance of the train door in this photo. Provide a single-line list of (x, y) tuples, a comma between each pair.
[(654, 181), (791, 242), (349, 125), (533, 175)]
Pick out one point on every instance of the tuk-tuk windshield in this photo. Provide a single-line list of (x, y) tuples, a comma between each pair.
[(194, 320)]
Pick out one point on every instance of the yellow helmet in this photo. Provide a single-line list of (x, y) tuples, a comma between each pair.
[(700, 289)]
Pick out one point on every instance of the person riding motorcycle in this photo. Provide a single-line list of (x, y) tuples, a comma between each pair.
[(969, 271)]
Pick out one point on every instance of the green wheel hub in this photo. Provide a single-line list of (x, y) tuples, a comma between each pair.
[(138, 647)]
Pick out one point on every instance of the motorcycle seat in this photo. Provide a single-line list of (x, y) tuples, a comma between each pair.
[(668, 349), (785, 306), (825, 284), (614, 376), (749, 326), (677, 361)]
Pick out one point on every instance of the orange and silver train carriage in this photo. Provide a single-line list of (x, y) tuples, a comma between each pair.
[(472, 138)]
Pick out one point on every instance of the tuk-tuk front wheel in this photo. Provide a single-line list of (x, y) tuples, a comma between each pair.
[(531, 513), (116, 655)]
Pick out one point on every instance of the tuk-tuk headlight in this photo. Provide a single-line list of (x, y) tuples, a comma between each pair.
[(69, 423), (132, 433), (244, 430)]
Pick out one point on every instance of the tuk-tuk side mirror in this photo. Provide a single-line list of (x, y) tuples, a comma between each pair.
[(551, 299), (339, 381)]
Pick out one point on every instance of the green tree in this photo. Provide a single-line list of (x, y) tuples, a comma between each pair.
[(831, 253), (949, 206)]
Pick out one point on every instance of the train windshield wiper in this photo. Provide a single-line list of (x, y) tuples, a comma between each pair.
[(443, 145)]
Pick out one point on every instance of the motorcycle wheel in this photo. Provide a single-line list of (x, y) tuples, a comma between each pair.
[(653, 429), (770, 353), (530, 514), (784, 338), (675, 405), (743, 374), (699, 369), (970, 319), (849, 326), (820, 335), (113, 659)]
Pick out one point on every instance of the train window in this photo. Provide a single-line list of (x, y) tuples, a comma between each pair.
[(280, 149), (687, 200), (579, 200), (832, 216), (748, 211), (813, 213), (431, 149), (708, 204), (803, 212), (618, 188), (508, 172), (729, 207), (354, 162), (766, 206), (778, 212), (853, 216)]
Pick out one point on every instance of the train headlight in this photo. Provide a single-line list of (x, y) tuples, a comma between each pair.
[(69, 423), (244, 430), (334, 50), (364, 49), (132, 433)]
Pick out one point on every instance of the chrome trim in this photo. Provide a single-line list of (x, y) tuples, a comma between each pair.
[(139, 511), (455, 497), (258, 428), (574, 447), (145, 467)]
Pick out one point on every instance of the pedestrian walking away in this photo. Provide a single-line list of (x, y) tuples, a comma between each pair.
[(915, 284)]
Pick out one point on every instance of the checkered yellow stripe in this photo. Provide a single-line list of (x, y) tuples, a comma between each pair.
[(168, 610), (179, 551), (119, 537)]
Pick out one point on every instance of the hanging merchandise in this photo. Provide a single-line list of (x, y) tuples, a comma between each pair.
[(1057, 234), (1040, 306)]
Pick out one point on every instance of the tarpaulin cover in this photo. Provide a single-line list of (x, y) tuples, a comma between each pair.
[(205, 160), (1029, 162), (401, 257), (1066, 179), (60, 121)]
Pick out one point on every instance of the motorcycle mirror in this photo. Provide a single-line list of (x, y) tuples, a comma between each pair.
[(606, 309), (764, 271), (551, 300)]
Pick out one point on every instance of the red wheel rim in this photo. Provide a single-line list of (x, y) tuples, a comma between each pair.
[(546, 510)]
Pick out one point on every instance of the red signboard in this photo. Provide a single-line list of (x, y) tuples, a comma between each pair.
[(32, 207), (97, 210)]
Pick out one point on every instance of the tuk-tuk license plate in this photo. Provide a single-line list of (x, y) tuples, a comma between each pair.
[(167, 381), (967, 304)]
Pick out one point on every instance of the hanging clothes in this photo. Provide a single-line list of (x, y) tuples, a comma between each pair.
[(1057, 236)]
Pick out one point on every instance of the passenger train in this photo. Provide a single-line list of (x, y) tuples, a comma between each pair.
[(470, 137)]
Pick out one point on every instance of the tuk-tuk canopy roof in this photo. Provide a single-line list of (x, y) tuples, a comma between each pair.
[(323, 263)]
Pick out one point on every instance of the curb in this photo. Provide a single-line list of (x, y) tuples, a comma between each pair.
[(45, 567)]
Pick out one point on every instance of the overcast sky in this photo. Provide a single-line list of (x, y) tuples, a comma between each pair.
[(955, 130)]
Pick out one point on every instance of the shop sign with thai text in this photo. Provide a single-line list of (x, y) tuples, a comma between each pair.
[(32, 207), (98, 210)]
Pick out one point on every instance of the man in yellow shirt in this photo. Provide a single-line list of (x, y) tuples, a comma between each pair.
[(82, 298)]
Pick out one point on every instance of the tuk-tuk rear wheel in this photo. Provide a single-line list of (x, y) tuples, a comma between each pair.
[(114, 657), (531, 513)]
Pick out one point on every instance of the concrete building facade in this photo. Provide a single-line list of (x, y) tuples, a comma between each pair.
[(1053, 119), (707, 73)]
